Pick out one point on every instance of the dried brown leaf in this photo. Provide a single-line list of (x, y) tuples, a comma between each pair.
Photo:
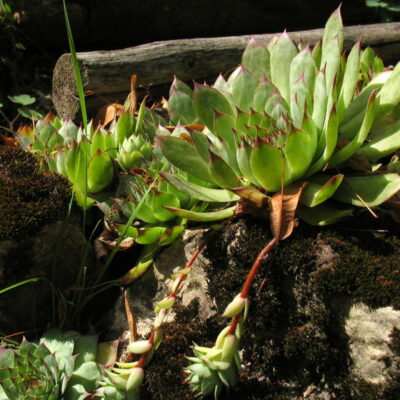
[(107, 113), (283, 206), (130, 317), (132, 95)]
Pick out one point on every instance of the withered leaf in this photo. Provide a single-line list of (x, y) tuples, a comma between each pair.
[(283, 206)]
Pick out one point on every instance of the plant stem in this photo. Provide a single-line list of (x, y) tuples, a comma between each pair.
[(250, 277), (173, 294)]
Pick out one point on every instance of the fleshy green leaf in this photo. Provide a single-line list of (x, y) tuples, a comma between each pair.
[(203, 216), (268, 166), (371, 190), (199, 192), (322, 214), (184, 156), (207, 101), (255, 58), (282, 55), (319, 189)]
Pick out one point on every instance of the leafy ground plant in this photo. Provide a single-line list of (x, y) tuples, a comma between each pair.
[(61, 366), (294, 131)]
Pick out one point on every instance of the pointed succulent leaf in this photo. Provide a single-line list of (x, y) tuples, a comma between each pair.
[(353, 117), (180, 107), (323, 214), (203, 216), (184, 156), (370, 190), (389, 96), (207, 101), (98, 142), (329, 140), (75, 166), (222, 84), (243, 158), (268, 166), (298, 153), (150, 235), (171, 234), (253, 195), (302, 67), (243, 88), (319, 189), (262, 93), (255, 58), (350, 148), (161, 199), (100, 171), (383, 144), (350, 79), (333, 32), (282, 55), (201, 143), (125, 127), (221, 173), (320, 100), (199, 192), (317, 53)]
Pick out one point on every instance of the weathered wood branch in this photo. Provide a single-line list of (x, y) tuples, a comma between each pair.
[(107, 73)]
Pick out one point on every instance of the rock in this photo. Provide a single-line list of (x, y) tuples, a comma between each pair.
[(296, 343), (370, 342), (155, 284)]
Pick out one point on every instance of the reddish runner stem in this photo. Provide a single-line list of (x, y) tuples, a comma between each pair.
[(173, 294), (250, 277)]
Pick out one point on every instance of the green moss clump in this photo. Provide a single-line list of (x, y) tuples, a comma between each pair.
[(28, 198)]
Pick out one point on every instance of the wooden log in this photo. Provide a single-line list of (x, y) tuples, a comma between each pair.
[(107, 73)]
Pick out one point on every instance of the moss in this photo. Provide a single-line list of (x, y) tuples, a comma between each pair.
[(28, 198), (294, 337)]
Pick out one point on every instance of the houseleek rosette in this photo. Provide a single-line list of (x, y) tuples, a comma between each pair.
[(88, 158), (61, 366), (289, 114)]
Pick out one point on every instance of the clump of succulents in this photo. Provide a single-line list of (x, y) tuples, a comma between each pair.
[(290, 114), (61, 366), (297, 131)]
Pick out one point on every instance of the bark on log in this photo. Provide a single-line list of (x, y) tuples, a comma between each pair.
[(107, 73)]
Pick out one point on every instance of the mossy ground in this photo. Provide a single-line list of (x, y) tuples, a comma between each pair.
[(28, 198), (294, 337)]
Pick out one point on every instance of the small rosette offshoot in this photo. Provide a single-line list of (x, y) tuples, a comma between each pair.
[(216, 367), (61, 365)]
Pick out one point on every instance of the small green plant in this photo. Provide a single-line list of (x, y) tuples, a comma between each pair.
[(23, 100), (61, 366)]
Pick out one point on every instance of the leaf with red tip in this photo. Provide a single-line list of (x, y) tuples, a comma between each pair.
[(319, 189), (255, 58), (282, 55), (207, 101)]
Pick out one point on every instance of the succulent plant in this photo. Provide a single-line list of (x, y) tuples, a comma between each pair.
[(61, 366), (298, 131), (290, 114)]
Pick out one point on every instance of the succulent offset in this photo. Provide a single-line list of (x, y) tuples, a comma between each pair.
[(61, 366), (290, 114)]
